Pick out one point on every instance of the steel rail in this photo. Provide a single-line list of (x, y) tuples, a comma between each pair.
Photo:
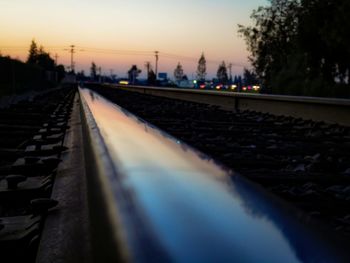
[(329, 110), (153, 198)]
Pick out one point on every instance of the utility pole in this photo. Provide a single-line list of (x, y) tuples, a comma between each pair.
[(72, 51), (156, 54)]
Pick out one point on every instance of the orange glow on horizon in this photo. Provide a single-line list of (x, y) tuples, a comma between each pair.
[(185, 29)]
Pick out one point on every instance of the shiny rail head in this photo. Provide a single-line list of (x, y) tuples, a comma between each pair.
[(258, 96), (177, 204), (329, 110)]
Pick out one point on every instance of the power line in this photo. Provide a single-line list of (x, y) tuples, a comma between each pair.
[(192, 59), (127, 53), (152, 53), (13, 47), (26, 48), (117, 52)]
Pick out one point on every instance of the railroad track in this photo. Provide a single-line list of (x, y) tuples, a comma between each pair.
[(85, 180), (329, 110), (31, 142), (154, 198), (304, 162)]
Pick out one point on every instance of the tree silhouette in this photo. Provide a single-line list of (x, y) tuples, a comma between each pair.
[(301, 47), (33, 53), (249, 77), (237, 80), (133, 73), (178, 72), (222, 73), (148, 66), (40, 57), (44, 60), (60, 72), (202, 68), (93, 71), (151, 77), (272, 39)]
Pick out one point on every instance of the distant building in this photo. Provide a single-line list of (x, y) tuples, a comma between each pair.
[(185, 83)]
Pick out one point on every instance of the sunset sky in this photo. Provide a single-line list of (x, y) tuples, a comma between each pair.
[(116, 34)]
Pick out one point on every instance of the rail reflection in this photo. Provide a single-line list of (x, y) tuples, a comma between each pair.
[(176, 204)]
